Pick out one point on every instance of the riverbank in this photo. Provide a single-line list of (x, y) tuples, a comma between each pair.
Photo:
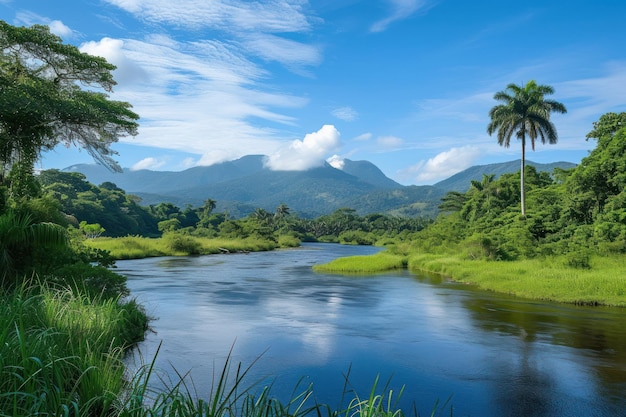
[(547, 279), (175, 244)]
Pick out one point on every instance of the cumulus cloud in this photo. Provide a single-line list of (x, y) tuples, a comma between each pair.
[(345, 113), (400, 9), (441, 166), (336, 161), (390, 141), (128, 71), (148, 163), (308, 153), (58, 28)]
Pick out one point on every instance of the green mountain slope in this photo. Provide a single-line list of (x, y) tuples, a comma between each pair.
[(462, 181), (245, 184)]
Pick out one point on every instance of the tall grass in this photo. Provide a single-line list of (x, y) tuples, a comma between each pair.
[(175, 244), (380, 262), (61, 352), (550, 279)]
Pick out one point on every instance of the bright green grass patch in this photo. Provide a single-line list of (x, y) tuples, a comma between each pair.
[(548, 279), (379, 262), (61, 352), (135, 247)]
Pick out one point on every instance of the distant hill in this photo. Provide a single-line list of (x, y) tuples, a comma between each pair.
[(462, 181), (242, 185)]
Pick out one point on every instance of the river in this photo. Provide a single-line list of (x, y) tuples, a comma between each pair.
[(487, 354)]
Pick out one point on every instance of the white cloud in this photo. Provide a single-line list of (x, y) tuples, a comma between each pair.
[(288, 52), (148, 163), (308, 153), (363, 137), (336, 161), (345, 113), (58, 28), (200, 97), (272, 16), (442, 166), (390, 142), (400, 9), (188, 163), (112, 50)]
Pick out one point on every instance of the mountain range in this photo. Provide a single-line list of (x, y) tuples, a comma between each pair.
[(242, 185)]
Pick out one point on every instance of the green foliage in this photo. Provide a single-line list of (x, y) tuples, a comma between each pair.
[(61, 352), (116, 212), (91, 231), (43, 104), (182, 244), (20, 238)]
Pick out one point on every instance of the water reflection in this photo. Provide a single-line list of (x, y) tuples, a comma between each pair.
[(496, 355)]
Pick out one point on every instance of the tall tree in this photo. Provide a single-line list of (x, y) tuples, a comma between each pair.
[(526, 113), (42, 103)]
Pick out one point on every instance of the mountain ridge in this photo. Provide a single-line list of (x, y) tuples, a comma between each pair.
[(242, 185)]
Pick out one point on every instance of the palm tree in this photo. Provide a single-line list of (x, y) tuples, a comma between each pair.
[(525, 112)]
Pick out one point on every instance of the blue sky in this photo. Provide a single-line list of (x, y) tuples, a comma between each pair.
[(405, 84)]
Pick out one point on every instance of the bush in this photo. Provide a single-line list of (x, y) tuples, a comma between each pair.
[(579, 258), (179, 243), (94, 280), (288, 241), (356, 237)]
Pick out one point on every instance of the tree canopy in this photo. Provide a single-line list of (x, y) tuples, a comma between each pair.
[(48, 96)]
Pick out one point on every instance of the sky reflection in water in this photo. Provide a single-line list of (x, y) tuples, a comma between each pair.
[(495, 355)]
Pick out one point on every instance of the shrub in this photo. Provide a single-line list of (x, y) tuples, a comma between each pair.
[(179, 243)]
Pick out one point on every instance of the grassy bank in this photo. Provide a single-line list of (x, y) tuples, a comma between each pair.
[(368, 264), (61, 352), (135, 247), (549, 279)]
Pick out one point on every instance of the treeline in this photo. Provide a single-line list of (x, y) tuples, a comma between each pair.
[(109, 211), (577, 213)]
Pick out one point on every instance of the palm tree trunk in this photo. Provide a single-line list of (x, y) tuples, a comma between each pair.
[(522, 191)]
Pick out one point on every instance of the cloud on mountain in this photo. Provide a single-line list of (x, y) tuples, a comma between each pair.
[(441, 166), (310, 152)]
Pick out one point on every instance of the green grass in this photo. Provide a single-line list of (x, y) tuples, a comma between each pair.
[(379, 262), (135, 247), (550, 279), (61, 352)]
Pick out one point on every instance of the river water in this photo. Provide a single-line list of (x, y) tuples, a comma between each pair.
[(484, 354)]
